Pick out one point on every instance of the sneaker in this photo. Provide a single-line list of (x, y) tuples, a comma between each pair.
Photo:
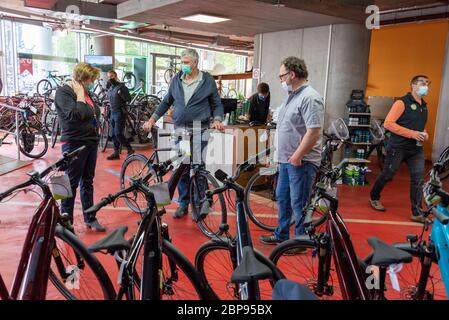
[(376, 205), (180, 212), (96, 226), (295, 251), (419, 219), (270, 240), (114, 156)]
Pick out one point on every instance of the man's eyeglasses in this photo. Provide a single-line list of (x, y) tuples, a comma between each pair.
[(281, 76)]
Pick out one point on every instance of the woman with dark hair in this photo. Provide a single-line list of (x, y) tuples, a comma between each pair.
[(78, 118)]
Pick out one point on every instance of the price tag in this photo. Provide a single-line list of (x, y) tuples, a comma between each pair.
[(161, 194), (263, 137), (268, 171), (60, 187), (393, 271)]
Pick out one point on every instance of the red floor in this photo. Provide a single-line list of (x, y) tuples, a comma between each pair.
[(392, 226)]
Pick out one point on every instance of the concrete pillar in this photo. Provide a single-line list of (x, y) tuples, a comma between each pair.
[(441, 139), (104, 46)]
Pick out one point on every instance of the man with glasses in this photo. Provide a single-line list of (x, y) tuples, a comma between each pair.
[(406, 121), (298, 145)]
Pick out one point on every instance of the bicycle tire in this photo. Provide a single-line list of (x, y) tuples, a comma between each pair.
[(48, 119), (213, 285), (26, 137), (99, 273), (286, 249), (44, 87), (104, 135), (142, 161), (191, 281), (54, 132), (207, 225), (168, 76)]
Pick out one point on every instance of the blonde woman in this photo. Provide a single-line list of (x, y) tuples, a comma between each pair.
[(78, 118)]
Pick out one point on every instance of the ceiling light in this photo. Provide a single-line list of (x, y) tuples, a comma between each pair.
[(204, 18)]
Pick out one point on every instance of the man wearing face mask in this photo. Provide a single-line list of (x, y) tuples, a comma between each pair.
[(298, 146), (119, 96), (259, 104), (406, 121), (195, 99)]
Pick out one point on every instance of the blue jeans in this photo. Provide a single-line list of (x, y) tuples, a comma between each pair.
[(293, 191), (81, 172), (118, 125)]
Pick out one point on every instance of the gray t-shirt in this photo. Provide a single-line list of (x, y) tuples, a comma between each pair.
[(189, 88), (303, 109)]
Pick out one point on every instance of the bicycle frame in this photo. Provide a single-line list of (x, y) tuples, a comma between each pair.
[(31, 279), (440, 241)]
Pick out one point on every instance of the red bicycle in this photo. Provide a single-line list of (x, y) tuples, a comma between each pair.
[(52, 251)]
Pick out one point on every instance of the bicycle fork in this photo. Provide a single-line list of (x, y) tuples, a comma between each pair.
[(324, 267)]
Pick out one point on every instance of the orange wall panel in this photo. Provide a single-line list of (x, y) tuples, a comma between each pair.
[(400, 52)]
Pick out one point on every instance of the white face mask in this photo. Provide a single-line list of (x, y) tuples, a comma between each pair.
[(287, 88)]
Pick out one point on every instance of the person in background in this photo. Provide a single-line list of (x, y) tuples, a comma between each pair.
[(79, 117), (119, 97), (406, 121), (298, 144), (194, 97), (259, 104)]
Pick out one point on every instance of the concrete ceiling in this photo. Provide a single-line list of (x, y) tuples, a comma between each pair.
[(248, 17)]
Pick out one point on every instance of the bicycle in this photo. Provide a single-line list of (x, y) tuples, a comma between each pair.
[(105, 128), (33, 141), (316, 260), (430, 271), (444, 171), (52, 251), (231, 266), (137, 165), (165, 271), (51, 83), (99, 93), (260, 192), (55, 131), (379, 142)]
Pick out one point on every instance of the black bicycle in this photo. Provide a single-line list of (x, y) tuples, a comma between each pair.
[(231, 266), (150, 267), (200, 181)]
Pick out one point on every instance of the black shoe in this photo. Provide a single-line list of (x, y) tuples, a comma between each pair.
[(114, 156), (96, 226), (180, 212), (271, 240)]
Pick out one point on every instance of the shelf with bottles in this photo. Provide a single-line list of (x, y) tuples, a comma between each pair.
[(355, 175)]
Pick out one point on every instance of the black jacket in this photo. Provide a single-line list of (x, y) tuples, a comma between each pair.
[(119, 96), (78, 121), (258, 110)]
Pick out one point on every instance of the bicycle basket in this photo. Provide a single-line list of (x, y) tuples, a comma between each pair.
[(339, 129), (377, 132)]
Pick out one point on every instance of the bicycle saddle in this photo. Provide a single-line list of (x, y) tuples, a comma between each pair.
[(113, 242), (250, 268), (385, 255), (289, 290)]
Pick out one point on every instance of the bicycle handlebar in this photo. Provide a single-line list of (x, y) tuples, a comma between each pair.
[(60, 164)]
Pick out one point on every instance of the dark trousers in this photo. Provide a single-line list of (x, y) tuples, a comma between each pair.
[(118, 126), (81, 172), (415, 162)]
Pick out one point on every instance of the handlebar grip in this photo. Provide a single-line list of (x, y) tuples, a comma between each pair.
[(444, 219), (104, 202), (164, 135)]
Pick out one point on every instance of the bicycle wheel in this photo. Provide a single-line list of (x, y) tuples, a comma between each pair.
[(408, 279), (48, 119), (75, 273), (260, 201), (215, 264), (168, 75), (297, 259), (104, 135), (54, 132), (179, 281), (44, 87), (33, 142), (135, 165), (209, 224)]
